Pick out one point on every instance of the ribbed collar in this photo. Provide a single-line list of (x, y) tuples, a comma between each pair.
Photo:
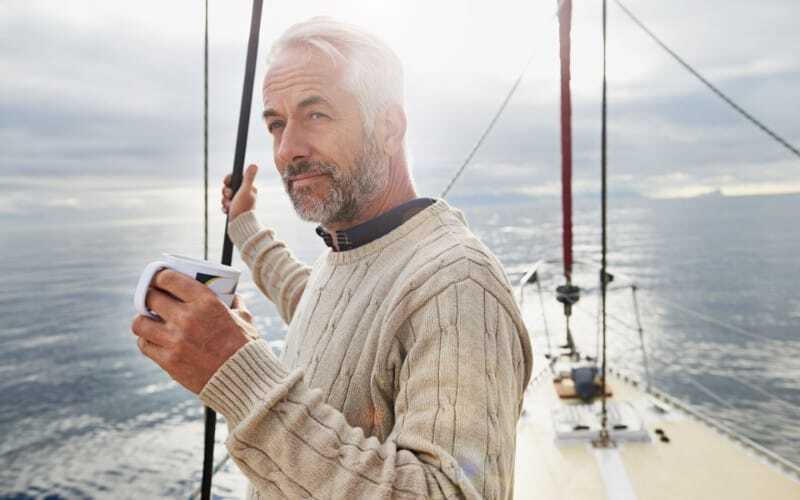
[(356, 236)]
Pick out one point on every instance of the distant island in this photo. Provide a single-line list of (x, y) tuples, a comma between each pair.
[(717, 193)]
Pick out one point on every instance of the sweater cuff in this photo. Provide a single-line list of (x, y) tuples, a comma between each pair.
[(243, 227), (249, 380)]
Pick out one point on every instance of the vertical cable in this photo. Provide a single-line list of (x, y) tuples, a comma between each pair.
[(236, 181), (603, 280), (205, 132), (210, 416)]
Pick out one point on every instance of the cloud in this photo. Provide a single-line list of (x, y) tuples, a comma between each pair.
[(116, 91)]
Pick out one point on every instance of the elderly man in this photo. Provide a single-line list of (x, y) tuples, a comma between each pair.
[(406, 359)]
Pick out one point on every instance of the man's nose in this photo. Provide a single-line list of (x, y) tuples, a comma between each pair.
[(293, 145)]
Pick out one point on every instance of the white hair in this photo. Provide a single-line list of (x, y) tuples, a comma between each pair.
[(374, 72)]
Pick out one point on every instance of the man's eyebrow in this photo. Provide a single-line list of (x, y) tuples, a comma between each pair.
[(308, 101), (312, 100)]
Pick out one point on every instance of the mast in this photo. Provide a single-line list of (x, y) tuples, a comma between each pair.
[(567, 294), (564, 27)]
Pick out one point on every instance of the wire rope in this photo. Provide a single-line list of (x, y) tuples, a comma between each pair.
[(793, 149)]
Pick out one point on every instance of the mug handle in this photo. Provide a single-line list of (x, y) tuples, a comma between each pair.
[(144, 284)]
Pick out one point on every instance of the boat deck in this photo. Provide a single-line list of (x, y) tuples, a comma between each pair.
[(698, 462)]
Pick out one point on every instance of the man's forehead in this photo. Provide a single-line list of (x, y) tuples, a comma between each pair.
[(298, 67)]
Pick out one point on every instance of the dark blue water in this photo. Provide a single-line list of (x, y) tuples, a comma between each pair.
[(84, 415)]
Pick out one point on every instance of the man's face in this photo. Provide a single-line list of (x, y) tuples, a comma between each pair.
[(329, 167)]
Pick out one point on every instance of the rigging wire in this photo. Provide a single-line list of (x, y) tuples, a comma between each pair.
[(603, 197), (793, 149), (499, 112), (488, 129), (210, 416), (705, 317), (205, 131), (676, 358), (227, 246), (544, 317), (711, 319)]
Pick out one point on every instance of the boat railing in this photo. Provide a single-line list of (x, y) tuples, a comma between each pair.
[(625, 336)]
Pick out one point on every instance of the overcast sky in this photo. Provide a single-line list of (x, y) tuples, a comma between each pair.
[(110, 93)]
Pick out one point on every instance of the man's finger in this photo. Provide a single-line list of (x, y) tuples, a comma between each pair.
[(249, 175), (227, 180), (151, 350), (237, 304), (181, 286), (151, 330), (161, 303)]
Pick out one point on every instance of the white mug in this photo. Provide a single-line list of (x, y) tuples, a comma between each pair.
[(221, 279)]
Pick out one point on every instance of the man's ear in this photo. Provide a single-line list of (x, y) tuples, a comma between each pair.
[(394, 128)]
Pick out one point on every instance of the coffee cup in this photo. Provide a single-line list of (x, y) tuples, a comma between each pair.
[(219, 278)]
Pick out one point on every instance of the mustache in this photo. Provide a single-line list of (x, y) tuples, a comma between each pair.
[(307, 167)]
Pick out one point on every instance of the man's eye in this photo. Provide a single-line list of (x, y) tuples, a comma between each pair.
[(274, 126), (316, 115)]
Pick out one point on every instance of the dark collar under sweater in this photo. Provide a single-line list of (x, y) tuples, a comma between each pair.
[(371, 230)]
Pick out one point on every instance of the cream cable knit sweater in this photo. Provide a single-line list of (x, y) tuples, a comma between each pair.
[(403, 373)]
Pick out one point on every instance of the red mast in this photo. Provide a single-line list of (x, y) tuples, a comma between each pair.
[(564, 25), (567, 294)]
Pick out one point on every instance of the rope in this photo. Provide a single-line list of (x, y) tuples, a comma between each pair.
[(488, 129), (793, 149), (205, 132), (544, 317), (511, 92), (641, 335), (676, 359), (603, 221), (711, 319), (227, 246), (685, 309)]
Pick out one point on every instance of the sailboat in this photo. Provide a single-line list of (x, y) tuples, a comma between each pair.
[(589, 429)]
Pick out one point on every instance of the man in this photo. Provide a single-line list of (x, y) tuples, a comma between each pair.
[(406, 357)]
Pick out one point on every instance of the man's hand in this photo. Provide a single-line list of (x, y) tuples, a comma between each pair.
[(245, 198), (197, 333)]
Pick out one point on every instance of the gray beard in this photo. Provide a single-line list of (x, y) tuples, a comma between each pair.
[(347, 195)]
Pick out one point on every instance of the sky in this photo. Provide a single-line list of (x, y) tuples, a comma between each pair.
[(99, 97)]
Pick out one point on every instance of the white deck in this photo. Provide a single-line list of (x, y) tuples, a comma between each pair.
[(697, 463)]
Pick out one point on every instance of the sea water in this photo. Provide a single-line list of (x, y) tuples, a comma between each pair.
[(84, 415)]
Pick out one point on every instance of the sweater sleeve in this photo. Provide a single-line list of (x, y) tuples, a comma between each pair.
[(276, 272), (458, 389)]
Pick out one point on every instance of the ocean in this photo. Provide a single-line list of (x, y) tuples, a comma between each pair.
[(84, 415)]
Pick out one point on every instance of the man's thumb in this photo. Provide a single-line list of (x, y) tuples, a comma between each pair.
[(249, 175)]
